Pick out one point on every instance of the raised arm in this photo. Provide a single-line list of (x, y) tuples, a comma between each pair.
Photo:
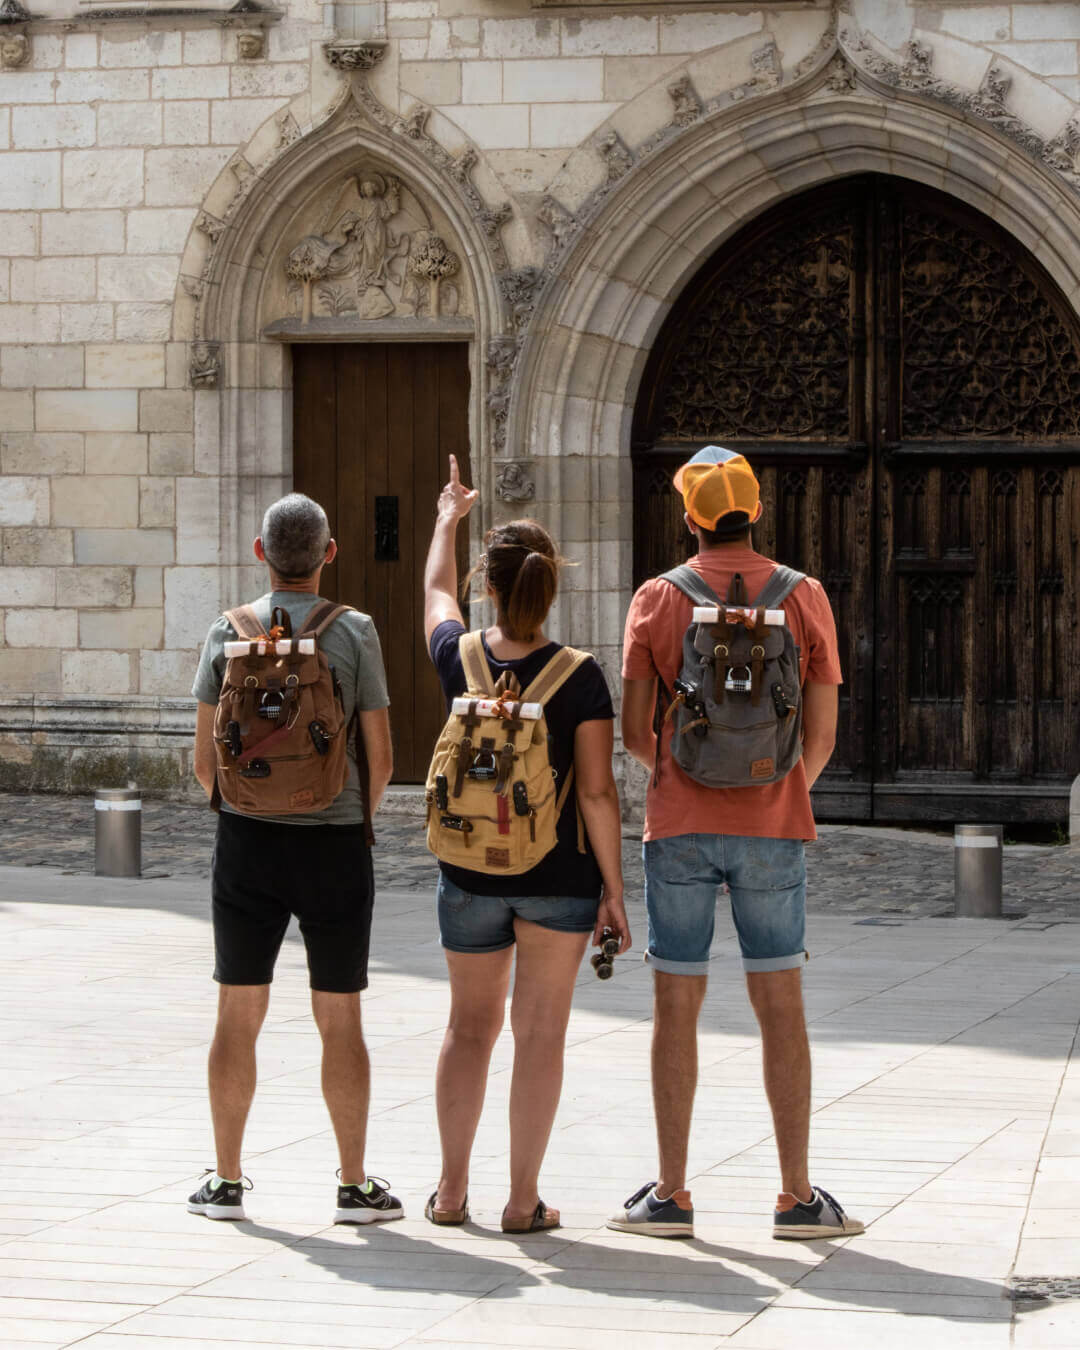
[(440, 572)]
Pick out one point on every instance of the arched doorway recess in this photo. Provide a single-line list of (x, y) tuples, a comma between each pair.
[(906, 377)]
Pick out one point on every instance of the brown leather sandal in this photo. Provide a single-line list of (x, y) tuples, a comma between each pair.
[(446, 1218), (541, 1218)]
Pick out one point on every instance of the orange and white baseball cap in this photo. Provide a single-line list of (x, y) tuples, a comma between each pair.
[(716, 484)]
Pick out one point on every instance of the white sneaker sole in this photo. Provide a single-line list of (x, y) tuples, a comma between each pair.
[(218, 1211), (661, 1230), (808, 1231), (367, 1215)]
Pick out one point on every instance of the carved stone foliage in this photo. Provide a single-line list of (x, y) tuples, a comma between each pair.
[(514, 482), (686, 103), (767, 352), (344, 55), (374, 252), (616, 155), (502, 354), (985, 352)]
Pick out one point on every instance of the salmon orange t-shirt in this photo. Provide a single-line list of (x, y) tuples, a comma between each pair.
[(658, 618)]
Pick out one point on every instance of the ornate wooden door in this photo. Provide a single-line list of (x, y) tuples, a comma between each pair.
[(906, 380), (373, 427)]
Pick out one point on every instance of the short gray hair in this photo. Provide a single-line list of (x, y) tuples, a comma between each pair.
[(295, 536)]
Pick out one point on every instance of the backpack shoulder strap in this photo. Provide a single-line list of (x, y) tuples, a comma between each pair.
[(554, 675), (245, 622), (778, 587), (474, 663), (695, 587), (321, 617)]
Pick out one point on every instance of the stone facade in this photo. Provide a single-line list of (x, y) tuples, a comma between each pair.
[(182, 197)]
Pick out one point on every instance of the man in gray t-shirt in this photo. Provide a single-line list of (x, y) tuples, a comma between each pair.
[(315, 866)]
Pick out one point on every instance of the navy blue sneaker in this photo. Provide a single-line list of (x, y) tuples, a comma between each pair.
[(219, 1199), (646, 1213), (821, 1217)]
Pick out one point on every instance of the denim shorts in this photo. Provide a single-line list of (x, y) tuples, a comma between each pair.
[(485, 923), (767, 881)]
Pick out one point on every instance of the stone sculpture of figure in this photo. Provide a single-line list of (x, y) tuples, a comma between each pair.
[(350, 267), (14, 50), (249, 45)]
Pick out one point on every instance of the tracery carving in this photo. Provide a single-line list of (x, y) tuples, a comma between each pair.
[(935, 631), (767, 350), (372, 257), (985, 352)]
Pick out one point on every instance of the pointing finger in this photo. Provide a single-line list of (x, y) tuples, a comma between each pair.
[(455, 476)]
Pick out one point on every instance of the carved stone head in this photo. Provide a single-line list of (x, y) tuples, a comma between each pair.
[(250, 45), (14, 50)]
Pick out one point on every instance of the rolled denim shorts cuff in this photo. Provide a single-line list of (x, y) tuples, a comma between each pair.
[(676, 967), (475, 951), (767, 963)]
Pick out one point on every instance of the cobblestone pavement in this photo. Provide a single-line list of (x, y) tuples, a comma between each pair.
[(852, 869)]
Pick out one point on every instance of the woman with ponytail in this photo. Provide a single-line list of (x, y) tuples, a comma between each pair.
[(545, 915)]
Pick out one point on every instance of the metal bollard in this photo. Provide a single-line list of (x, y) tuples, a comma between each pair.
[(117, 832), (978, 871)]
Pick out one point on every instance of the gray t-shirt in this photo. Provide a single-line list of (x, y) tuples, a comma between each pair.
[(351, 645)]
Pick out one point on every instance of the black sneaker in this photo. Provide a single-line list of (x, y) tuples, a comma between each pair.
[(367, 1203), (219, 1199)]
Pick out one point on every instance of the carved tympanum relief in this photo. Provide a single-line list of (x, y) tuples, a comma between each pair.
[(372, 250)]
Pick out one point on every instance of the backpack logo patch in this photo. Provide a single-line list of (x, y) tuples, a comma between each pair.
[(497, 857), (298, 800), (762, 768)]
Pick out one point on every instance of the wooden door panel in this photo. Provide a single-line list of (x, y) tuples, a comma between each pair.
[(906, 381), (375, 423)]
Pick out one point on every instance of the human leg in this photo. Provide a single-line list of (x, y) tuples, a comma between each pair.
[(776, 997), (478, 986), (231, 1069), (346, 1077), (677, 1003), (548, 960)]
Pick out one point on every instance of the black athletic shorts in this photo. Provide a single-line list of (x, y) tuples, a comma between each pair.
[(265, 872)]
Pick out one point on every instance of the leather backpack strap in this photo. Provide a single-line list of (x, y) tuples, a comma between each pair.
[(778, 587), (474, 662), (560, 802), (554, 675), (363, 770), (321, 617), (245, 621)]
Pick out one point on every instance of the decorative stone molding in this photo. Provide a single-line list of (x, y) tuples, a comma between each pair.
[(840, 78), (767, 67), (251, 44), (205, 366), (557, 218), (210, 226), (687, 103), (519, 289), (514, 482), (502, 355), (616, 155), (288, 129), (349, 56), (245, 173)]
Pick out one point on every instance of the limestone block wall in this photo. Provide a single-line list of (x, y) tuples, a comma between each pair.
[(129, 494)]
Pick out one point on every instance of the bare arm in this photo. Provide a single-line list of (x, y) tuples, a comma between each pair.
[(375, 729), (638, 703), (820, 705), (205, 765), (440, 571), (598, 798)]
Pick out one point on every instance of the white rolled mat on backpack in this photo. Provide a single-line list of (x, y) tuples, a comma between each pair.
[(711, 614), (283, 647), (488, 707)]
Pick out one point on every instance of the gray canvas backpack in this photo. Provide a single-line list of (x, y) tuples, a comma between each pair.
[(737, 704)]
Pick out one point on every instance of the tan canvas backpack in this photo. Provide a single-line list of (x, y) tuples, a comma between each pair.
[(280, 729), (492, 797)]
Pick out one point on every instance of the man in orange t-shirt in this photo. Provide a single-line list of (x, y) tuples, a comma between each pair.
[(750, 839)]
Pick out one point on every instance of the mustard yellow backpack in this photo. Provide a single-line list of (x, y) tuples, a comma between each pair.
[(493, 802)]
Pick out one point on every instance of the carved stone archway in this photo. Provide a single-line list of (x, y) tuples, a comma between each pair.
[(360, 228), (624, 262)]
